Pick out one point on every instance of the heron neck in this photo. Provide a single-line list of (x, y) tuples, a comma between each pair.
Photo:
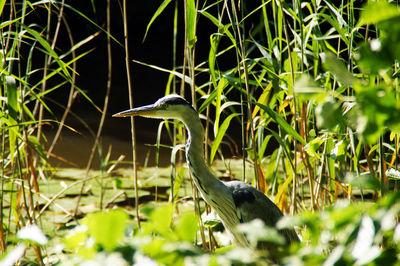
[(202, 175), (213, 191), (195, 142)]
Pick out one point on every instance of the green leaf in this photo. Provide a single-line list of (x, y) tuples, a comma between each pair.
[(328, 114), (339, 25), (77, 239), (99, 27), (159, 10), (312, 147), (378, 11), (263, 147), (211, 219), (221, 86), (8, 22), (2, 2), (209, 98), (285, 126), (210, 17), (339, 151), (107, 228), (287, 154), (160, 221), (191, 22), (224, 29), (212, 223), (186, 227), (214, 40), (178, 180), (220, 135)]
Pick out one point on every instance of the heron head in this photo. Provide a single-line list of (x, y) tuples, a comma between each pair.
[(170, 106)]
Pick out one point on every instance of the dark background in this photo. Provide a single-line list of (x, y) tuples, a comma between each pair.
[(147, 84)]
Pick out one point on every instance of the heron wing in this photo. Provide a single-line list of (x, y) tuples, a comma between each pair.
[(251, 204)]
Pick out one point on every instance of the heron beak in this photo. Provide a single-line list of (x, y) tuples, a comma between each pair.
[(146, 110)]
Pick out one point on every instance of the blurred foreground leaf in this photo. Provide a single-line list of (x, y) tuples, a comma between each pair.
[(107, 228)]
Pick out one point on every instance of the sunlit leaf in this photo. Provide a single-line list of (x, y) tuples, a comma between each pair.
[(210, 17), (186, 227), (312, 146), (160, 220), (378, 11), (78, 240), (2, 2), (107, 228), (208, 100), (221, 86), (263, 147), (12, 97), (262, 99), (211, 219)]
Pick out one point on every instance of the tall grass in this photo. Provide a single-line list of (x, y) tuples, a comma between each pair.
[(32, 67)]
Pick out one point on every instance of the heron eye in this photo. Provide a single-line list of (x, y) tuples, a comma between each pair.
[(163, 106)]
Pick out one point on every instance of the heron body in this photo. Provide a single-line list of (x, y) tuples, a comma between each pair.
[(235, 202)]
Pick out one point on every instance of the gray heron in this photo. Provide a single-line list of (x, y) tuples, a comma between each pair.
[(235, 202)]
